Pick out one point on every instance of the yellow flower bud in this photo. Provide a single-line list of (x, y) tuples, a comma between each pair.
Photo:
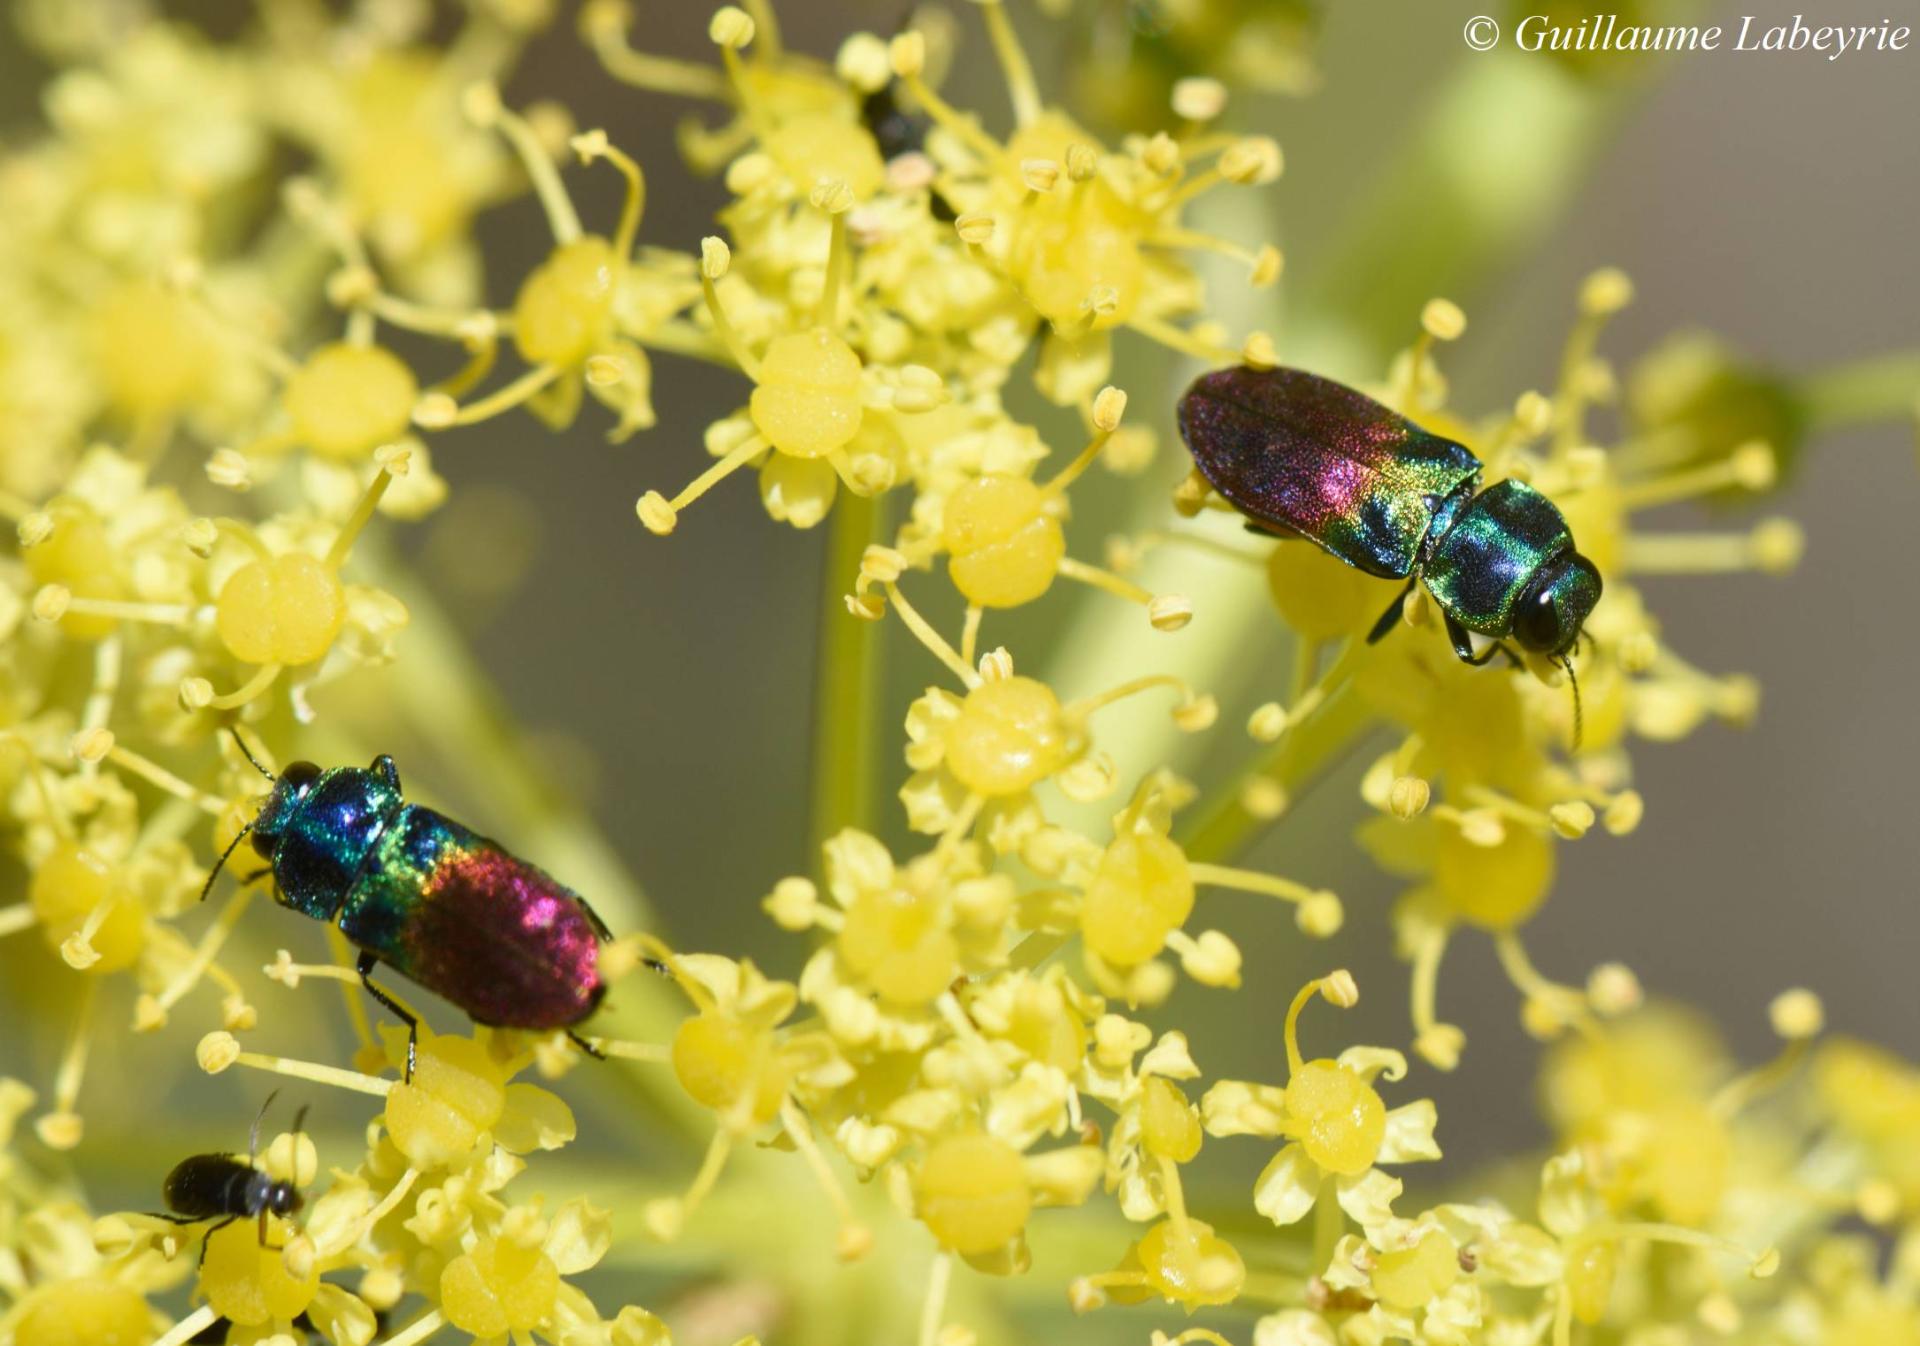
[(346, 400), (1141, 892), (1004, 546), (718, 1060), (1010, 734), (1410, 1278), (971, 1192), (1169, 1124), (248, 1283), (565, 308), (81, 1311), (457, 1093), (286, 610), (1342, 1119), (807, 402), (500, 1286)]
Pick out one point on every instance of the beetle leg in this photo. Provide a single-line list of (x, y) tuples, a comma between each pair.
[(384, 768), (365, 968), (1463, 646), (209, 1234), (586, 1046), (599, 926), (1462, 639), (1392, 615)]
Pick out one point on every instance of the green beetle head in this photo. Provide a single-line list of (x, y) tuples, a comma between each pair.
[(1548, 617)]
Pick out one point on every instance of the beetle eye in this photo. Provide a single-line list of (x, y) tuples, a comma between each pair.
[(299, 776), (264, 843), (1536, 622)]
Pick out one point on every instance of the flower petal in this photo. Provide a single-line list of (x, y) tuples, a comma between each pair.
[(1410, 1134), (1454, 1319), (1350, 1267), (1563, 1195), (932, 799), (1369, 1197), (1524, 1255), (1285, 1190), (797, 491), (578, 1236), (1170, 1058), (1368, 1062), (533, 1119), (1242, 1108), (1293, 1327)]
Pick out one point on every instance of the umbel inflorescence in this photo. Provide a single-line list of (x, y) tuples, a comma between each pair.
[(209, 432)]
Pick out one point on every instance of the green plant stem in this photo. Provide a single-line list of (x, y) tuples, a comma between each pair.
[(1221, 828), (1328, 1224), (1860, 392), (848, 679)]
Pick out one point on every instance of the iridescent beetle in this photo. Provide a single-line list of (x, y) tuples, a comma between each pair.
[(1303, 456), (440, 905)]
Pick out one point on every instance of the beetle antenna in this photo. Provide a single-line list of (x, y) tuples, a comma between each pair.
[(220, 864), (253, 1139), (247, 753), (299, 1120), (1573, 681)]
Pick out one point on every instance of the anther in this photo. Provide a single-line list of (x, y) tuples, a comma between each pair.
[(730, 28), (1198, 99), (974, 227), (1606, 292), (907, 54), (1797, 1014), (1442, 320)]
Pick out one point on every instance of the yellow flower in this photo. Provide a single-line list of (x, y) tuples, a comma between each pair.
[(1336, 1126)]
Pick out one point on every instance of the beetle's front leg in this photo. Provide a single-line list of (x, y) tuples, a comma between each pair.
[(1392, 615), (1463, 646), (365, 968)]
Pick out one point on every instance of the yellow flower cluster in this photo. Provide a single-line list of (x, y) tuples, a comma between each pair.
[(214, 402)]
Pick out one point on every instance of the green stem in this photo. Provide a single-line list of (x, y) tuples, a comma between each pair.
[(1328, 1224), (1878, 388), (849, 677), (1549, 130), (1221, 828)]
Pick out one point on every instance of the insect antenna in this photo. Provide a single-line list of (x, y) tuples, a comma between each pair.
[(221, 863), (253, 1137), (247, 753), (299, 1121), (1573, 681)]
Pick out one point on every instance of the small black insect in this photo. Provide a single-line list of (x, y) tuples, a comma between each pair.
[(226, 1188), (898, 132)]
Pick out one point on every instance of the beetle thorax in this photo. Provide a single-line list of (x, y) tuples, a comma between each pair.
[(320, 839)]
